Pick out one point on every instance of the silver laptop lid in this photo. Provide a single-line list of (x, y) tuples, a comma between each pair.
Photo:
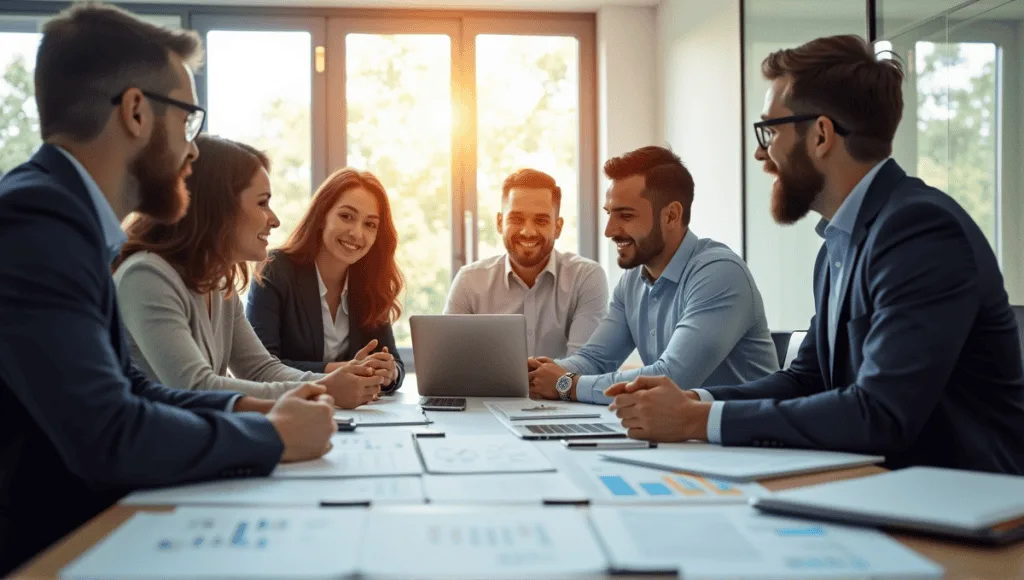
[(470, 355)]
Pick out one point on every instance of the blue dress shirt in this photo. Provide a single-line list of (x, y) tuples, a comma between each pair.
[(701, 322), (837, 235), (113, 236)]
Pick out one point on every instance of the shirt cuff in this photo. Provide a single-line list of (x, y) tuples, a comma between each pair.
[(705, 396), (230, 407), (715, 422), (585, 389)]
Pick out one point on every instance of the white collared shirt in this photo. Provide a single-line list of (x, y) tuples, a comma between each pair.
[(336, 329), (562, 309)]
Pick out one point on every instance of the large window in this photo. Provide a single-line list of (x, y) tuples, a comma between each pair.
[(961, 129), (441, 107), (19, 119)]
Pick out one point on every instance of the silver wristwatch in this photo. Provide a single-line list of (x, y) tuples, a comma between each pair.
[(563, 385)]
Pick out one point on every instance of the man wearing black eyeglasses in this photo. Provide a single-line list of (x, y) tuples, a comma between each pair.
[(79, 425), (913, 352)]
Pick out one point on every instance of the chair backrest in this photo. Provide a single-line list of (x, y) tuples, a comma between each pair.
[(1018, 311), (781, 340), (794, 347)]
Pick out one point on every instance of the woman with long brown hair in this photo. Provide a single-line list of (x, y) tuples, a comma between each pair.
[(328, 297), (177, 286)]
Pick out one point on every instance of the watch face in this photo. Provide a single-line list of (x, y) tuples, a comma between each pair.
[(562, 384)]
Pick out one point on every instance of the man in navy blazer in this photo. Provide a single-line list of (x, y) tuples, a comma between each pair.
[(913, 352), (79, 425)]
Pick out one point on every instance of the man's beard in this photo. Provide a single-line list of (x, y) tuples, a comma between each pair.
[(161, 187), (540, 255), (797, 188), (646, 249)]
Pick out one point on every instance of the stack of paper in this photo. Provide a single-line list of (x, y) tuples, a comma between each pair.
[(481, 454), (360, 455), (214, 543), (737, 542), (978, 506), (286, 492), (446, 543), (740, 463)]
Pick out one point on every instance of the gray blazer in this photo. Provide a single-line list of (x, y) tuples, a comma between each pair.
[(284, 310), (927, 364)]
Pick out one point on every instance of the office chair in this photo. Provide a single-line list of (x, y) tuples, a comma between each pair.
[(781, 340)]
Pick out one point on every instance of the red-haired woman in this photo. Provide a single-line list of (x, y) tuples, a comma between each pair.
[(177, 287), (328, 297)]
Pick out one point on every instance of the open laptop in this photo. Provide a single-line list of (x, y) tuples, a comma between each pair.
[(470, 355), (559, 427)]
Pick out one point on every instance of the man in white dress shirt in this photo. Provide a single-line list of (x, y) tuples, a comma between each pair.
[(564, 296)]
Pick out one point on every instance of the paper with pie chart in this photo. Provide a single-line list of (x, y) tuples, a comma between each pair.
[(482, 454)]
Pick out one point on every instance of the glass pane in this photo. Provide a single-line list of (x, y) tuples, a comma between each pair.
[(19, 121), (399, 104), (956, 124), (527, 91), (781, 259), (270, 114)]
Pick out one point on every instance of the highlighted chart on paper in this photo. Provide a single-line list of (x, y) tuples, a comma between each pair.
[(612, 482)]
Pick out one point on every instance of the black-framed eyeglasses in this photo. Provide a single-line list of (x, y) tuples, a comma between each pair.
[(196, 114), (765, 136)]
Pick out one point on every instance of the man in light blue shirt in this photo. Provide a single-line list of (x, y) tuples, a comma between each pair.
[(692, 310)]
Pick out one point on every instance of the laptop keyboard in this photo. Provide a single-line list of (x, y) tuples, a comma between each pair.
[(570, 428), (446, 402)]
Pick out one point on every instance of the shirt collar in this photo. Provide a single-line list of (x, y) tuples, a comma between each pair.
[(552, 266), (846, 215), (323, 289), (113, 236), (674, 270)]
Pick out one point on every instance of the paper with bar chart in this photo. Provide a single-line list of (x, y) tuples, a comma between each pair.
[(618, 483), (738, 542), (478, 542), (222, 543), (379, 453)]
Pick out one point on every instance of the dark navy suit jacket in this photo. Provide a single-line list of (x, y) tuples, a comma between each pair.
[(79, 425), (285, 311), (927, 364)]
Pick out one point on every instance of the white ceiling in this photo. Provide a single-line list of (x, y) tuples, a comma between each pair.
[(538, 5)]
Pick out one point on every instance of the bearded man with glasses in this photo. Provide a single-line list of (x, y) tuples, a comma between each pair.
[(913, 351), (80, 426)]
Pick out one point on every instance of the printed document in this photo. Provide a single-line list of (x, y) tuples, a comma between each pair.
[(360, 455), (737, 542), (216, 543)]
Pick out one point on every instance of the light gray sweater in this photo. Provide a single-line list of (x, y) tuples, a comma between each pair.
[(175, 342)]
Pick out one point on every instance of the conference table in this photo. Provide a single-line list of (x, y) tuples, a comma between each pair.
[(961, 560)]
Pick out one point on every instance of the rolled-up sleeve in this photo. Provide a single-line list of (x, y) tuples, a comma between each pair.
[(719, 310)]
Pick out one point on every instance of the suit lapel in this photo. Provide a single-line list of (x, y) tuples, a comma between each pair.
[(310, 308), (878, 193)]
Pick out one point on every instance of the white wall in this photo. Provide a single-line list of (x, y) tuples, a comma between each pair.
[(627, 97), (699, 109)]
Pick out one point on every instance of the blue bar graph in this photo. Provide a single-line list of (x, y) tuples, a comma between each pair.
[(617, 485), (656, 489)]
